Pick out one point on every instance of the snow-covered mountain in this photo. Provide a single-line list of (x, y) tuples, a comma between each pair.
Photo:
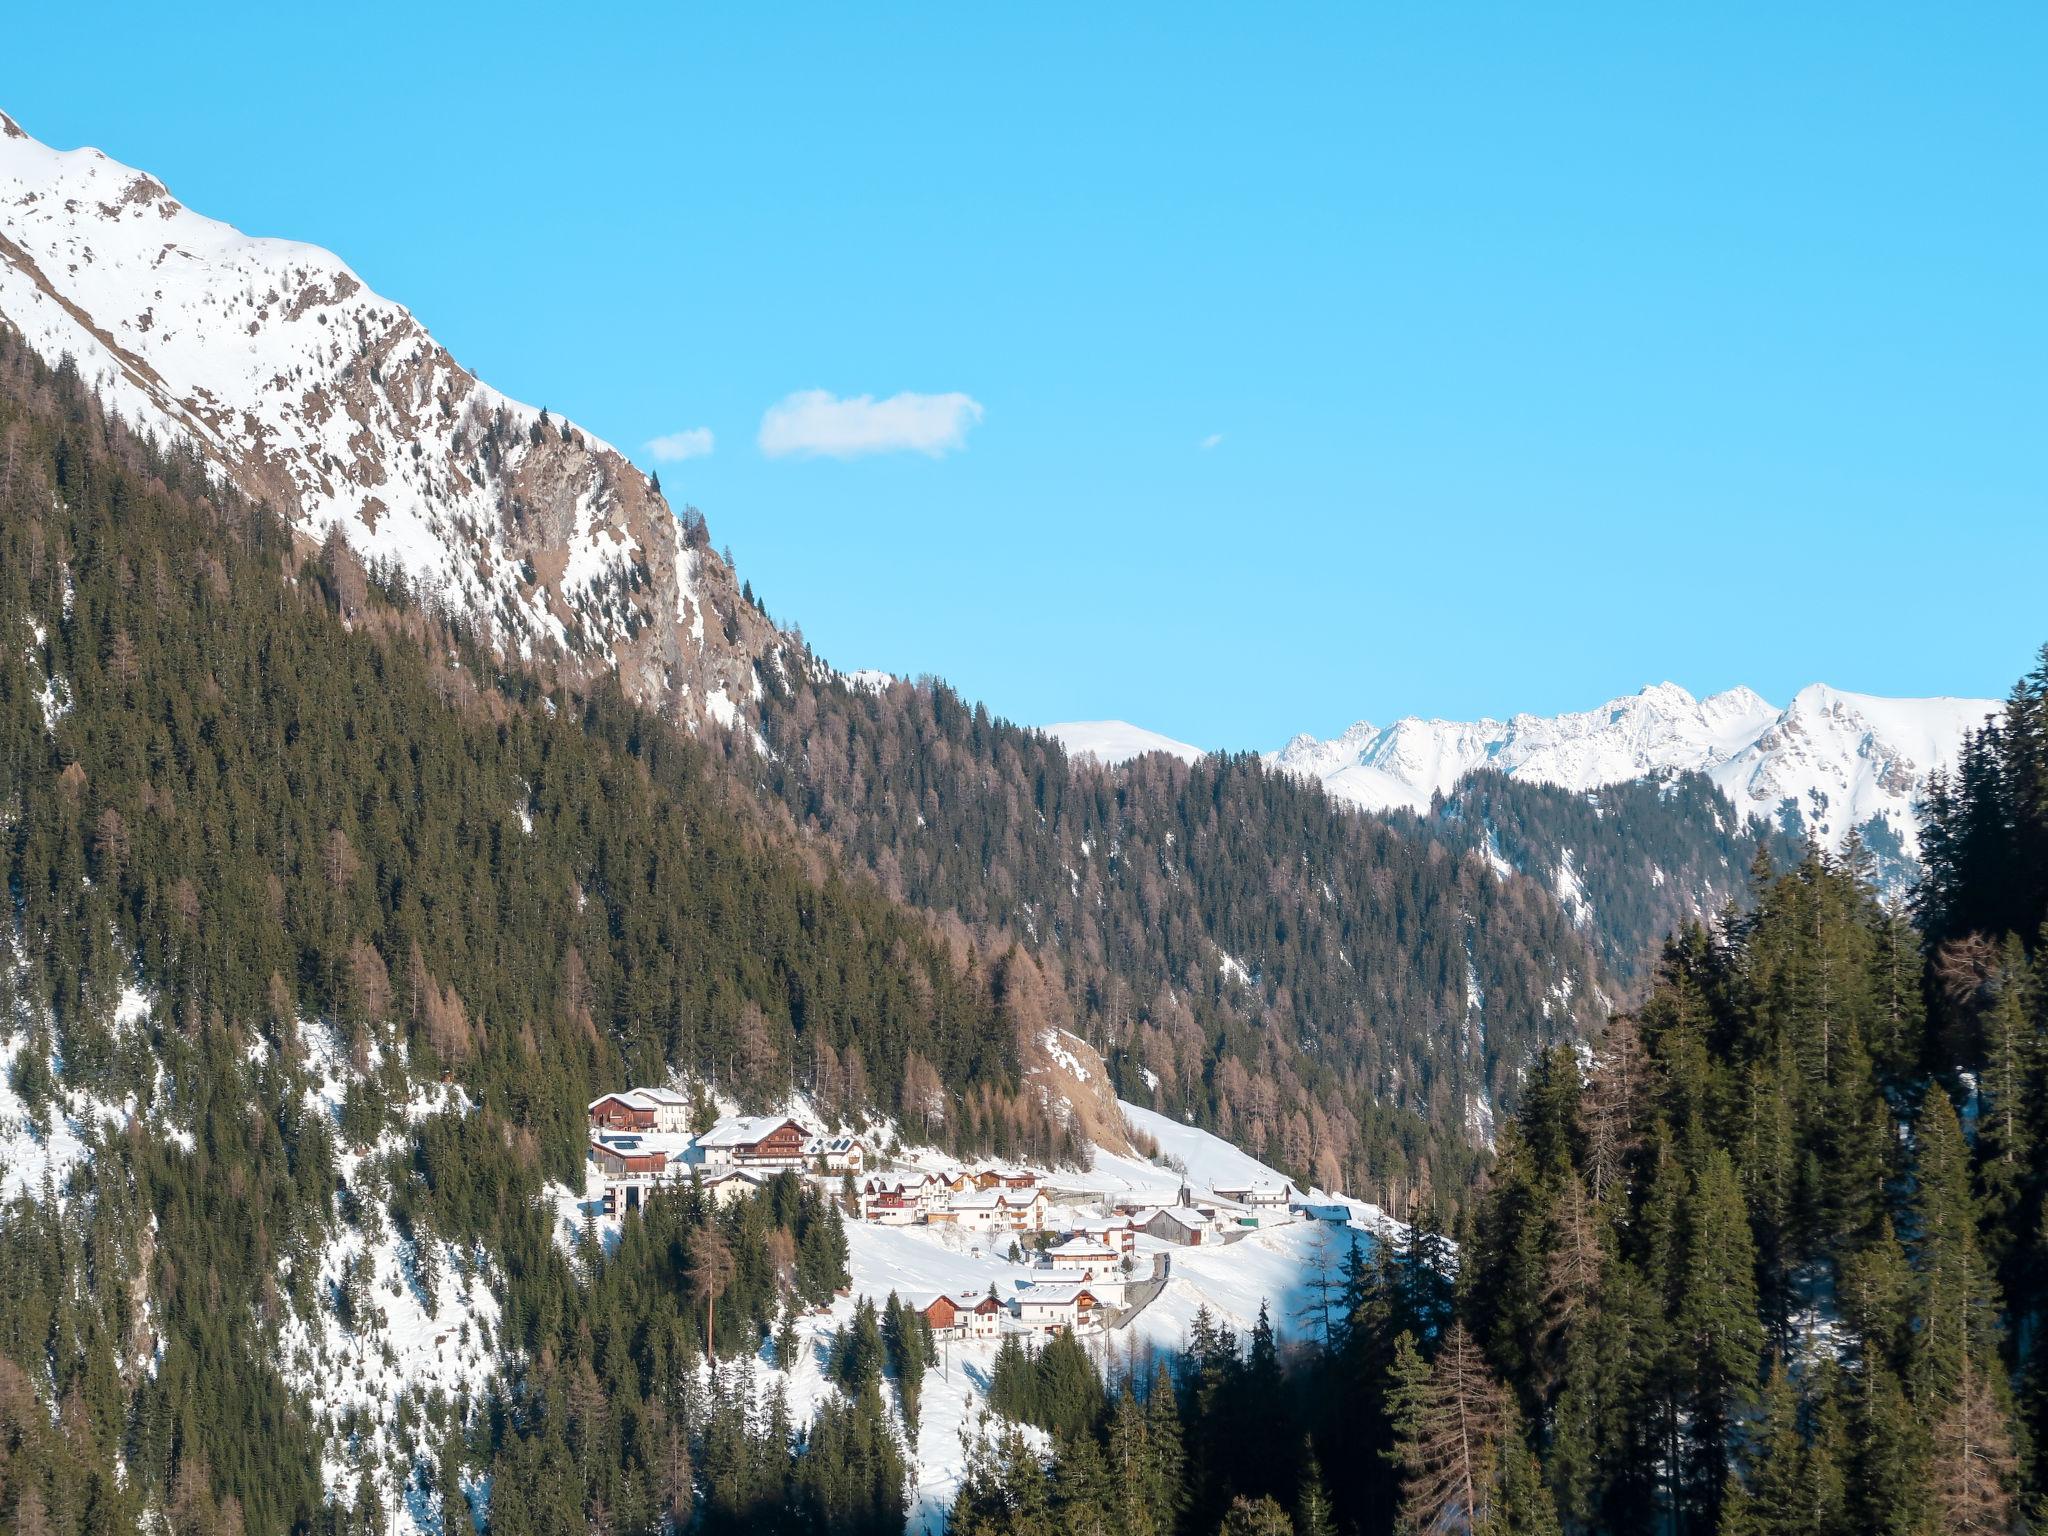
[(1116, 741), (309, 391), (1841, 759)]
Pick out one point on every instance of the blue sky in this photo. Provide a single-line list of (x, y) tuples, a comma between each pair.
[(1538, 352)]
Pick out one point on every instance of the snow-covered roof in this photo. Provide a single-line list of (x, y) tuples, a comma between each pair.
[(659, 1095), (988, 1200), (745, 1130), (1055, 1293), (1079, 1248), (1247, 1192), (966, 1301), (1187, 1216), (728, 1175)]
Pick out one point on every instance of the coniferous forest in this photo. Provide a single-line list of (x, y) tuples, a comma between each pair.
[(1771, 1260), (1766, 1256), (262, 779)]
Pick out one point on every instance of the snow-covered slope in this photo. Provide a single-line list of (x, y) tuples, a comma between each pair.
[(1843, 759), (1116, 741), (309, 391)]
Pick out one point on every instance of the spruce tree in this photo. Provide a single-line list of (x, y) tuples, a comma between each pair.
[(1716, 1326)]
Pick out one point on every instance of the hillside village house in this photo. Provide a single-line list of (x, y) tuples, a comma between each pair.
[(624, 1157), (1262, 1200), (641, 1109), (754, 1141), (1179, 1224), (631, 1171), (895, 1207), (776, 1142), (1058, 1304), (729, 1185), (1223, 1214), (1083, 1258), (1000, 1210), (962, 1315), (1003, 1178), (1114, 1233), (842, 1154)]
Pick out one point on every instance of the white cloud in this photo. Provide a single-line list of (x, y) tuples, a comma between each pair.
[(1211, 441), (691, 443), (815, 423)]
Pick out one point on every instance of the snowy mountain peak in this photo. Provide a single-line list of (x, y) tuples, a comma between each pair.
[(307, 390), (1841, 759), (1116, 741)]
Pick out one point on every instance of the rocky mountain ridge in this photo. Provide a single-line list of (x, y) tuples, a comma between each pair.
[(305, 389), (1842, 761)]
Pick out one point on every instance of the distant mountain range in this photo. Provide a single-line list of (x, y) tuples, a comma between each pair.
[(1828, 762)]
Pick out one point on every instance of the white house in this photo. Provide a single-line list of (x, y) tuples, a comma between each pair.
[(1079, 1256), (1118, 1234), (842, 1154), (1002, 1210), (890, 1205), (1058, 1304), (730, 1185)]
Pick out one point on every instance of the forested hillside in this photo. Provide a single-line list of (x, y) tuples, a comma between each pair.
[(264, 820), (1771, 1262), (1631, 862), (1341, 998)]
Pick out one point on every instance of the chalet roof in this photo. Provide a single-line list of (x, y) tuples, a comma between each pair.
[(635, 1097), (1187, 1216), (1056, 1293), (745, 1130), (1079, 1248), (966, 1301), (729, 1175), (660, 1096), (989, 1200)]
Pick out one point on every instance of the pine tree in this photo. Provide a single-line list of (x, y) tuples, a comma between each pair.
[(1954, 1290), (1312, 1513), (1716, 1326), (1778, 1498), (1521, 1504), (1165, 1479), (1255, 1517), (455, 1516)]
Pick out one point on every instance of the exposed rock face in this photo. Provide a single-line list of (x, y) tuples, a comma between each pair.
[(1070, 1073), (311, 392)]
